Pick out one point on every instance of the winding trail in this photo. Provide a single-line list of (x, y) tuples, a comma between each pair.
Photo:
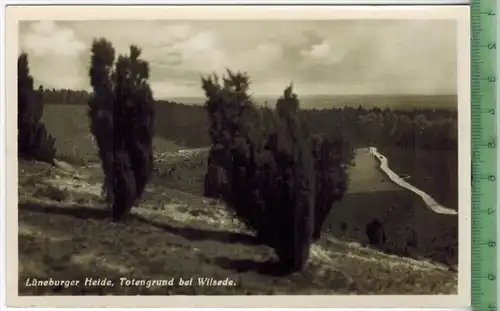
[(429, 201), (160, 156)]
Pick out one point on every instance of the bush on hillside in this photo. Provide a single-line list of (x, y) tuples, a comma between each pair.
[(121, 118), (290, 198), (330, 160), (33, 139), (230, 109), (268, 164)]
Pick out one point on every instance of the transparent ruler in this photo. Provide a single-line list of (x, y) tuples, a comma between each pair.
[(485, 114)]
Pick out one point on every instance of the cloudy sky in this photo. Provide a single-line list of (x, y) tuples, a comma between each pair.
[(339, 57)]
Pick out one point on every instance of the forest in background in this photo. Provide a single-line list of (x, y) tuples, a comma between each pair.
[(411, 128)]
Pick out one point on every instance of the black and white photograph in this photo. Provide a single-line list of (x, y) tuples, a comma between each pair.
[(227, 156)]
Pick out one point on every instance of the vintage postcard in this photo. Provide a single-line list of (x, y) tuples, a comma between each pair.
[(313, 156)]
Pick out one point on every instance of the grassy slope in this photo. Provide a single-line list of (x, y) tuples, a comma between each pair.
[(74, 143), (64, 232)]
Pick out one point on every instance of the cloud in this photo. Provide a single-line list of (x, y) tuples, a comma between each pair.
[(262, 57), (319, 51), (57, 57), (324, 53), (47, 38), (200, 52), (333, 57)]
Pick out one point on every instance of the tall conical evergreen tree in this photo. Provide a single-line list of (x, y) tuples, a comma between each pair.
[(295, 184), (121, 114), (33, 140)]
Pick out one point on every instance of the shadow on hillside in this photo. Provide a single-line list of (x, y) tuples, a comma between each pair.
[(194, 234), (407, 226), (191, 234), (78, 211)]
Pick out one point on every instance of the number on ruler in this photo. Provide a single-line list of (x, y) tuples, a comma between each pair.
[(492, 79), (491, 211), (492, 178), (491, 144), (492, 277), (492, 244), (491, 111), (492, 46)]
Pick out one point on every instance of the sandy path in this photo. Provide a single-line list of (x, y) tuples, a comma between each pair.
[(429, 201), (159, 157)]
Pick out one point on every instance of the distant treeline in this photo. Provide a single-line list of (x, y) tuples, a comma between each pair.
[(424, 128)]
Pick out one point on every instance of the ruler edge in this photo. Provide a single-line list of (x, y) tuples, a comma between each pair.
[(496, 197), (497, 108), (497, 151)]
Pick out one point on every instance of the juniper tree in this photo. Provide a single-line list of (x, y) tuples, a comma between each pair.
[(292, 205), (238, 137), (331, 180), (121, 119), (231, 114), (268, 164), (219, 158), (33, 140)]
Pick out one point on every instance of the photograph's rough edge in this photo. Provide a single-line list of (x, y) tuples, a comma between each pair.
[(3, 162), (461, 14)]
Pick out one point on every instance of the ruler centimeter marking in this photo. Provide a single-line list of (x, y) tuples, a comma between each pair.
[(484, 115)]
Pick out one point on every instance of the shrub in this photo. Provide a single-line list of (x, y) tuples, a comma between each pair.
[(231, 112), (268, 163), (331, 177), (33, 140), (290, 199), (121, 117)]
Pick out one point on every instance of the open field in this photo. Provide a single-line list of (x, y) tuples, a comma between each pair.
[(439, 178), (73, 138)]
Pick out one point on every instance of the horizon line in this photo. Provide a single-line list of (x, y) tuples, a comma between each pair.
[(319, 95)]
